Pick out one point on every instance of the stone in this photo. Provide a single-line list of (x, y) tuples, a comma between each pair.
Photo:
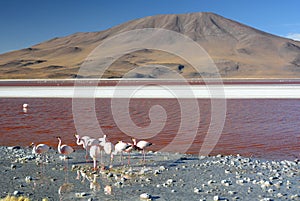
[(145, 196)]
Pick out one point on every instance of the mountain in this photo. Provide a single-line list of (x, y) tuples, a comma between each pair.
[(238, 51)]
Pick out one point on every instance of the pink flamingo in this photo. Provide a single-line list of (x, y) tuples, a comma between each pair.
[(40, 149), (64, 149)]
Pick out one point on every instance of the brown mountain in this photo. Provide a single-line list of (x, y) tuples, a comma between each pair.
[(238, 50)]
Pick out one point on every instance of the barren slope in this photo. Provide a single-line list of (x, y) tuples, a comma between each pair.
[(239, 51)]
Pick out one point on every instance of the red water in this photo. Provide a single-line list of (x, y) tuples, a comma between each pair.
[(265, 128)]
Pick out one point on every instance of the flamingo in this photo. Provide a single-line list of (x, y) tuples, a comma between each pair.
[(142, 145), (25, 106), (107, 146), (64, 149), (84, 142), (39, 149), (95, 151), (131, 147), (120, 147)]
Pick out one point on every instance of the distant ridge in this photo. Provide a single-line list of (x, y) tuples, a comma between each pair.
[(239, 51)]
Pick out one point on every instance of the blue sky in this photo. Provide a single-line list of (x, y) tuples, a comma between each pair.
[(24, 23)]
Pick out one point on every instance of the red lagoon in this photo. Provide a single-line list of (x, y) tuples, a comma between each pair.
[(264, 128)]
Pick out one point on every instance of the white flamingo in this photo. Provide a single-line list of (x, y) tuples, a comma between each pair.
[(25, 107), (84, 142), (95, 151), (108, 147), (64, 149), (142, 145), (131, 147), (120, 147)]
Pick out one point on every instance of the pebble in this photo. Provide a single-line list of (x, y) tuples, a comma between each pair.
[(118, 184), (211, 182), (169, 181), (226, 182), (80, 195), (232, 192), (145, 196), (294, 197), (15, 193), (28, 179), (267, 184), (279, 195), (202, 157), (266, 199), (197, 190), (241, 182)]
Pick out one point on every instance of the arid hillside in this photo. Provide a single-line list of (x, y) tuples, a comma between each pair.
[(238, 51)]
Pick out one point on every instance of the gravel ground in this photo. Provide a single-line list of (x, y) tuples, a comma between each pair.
[(164, 176)]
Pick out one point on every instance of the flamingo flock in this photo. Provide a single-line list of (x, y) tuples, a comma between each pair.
[(95, 147)]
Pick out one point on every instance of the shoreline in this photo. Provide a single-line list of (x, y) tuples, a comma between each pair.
[(165, 176), (140, 81)]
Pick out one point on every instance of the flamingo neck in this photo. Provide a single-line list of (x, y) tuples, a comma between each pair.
[(59, 144), (79, 141), (34, 149)]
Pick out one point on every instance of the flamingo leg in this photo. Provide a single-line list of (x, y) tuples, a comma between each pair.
[(101, 159), (129, 159), (66, 169), (44, 158), (111, 159), (95, 163), (86, 155), (121, 157)]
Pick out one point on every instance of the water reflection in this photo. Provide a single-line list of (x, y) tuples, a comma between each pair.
[(64, 191), (25, 110), (93, 180)]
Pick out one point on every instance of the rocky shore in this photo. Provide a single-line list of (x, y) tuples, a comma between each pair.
[(164, 176)]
